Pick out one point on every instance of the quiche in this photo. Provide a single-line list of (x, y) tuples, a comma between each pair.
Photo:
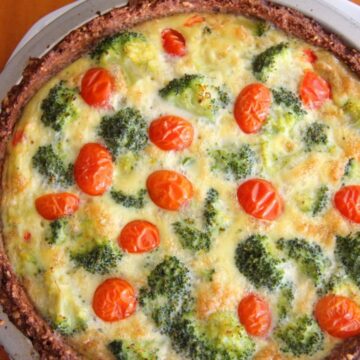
[(183, 182)]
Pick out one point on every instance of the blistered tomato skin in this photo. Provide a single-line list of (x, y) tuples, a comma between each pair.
[(57, 205), (139, 236), (173, 42), (255, 315), (252, 107), (93, 169), (347, 202), (338, 315), (114, 300), (260, 199), (169, 190), (171, 133)]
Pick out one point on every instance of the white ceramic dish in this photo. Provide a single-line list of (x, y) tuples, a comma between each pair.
[(339, 16)]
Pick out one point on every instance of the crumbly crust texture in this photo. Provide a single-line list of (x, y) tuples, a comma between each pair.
[(13, 297)]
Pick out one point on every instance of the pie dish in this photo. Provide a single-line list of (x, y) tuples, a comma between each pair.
[(215, 164)]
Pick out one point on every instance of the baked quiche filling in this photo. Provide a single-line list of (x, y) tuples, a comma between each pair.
[(190, 189)]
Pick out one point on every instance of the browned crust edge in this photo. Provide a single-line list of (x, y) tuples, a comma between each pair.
[(13, 297)]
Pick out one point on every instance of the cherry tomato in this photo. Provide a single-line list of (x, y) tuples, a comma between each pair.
[(338, 315), (18, 137), (97, 86), (193, 20), (310, 56), (114, 300), (139, 236), (314, 90), (252, 107), (174, 42), (169, 189), (93, 169), (347, 201), (254, 313), (57, 205), (171, 133), (260, 199)]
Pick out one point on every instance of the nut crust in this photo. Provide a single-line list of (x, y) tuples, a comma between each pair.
[(13, 297)]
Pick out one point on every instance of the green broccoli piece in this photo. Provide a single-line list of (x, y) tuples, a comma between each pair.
[(66, 327), (285, 299), (352, 172), (316, 136), (58, 107), (129, 201), (255, 260), (211, 214), (124, 131), (347, 251), (309, 257), (195, 94), (261, 27), (49, 164), (235, 165), (126, 350), (289, 100), (57, 232), (300, 336), (264, 63), (190, 237), (322, 199), (352, 108), (100, 259)]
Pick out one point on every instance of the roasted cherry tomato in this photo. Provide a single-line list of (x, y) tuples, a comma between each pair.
[(18, 137), (97, 86), (114, 300), (252, 107), (171, 133), (338, 315), (254, 313), (310, 56), (260, 199), (347, 201), (169, 189), (57, 205), (193, 20), (174, 42), (139, 236), (93, 169), (314, 90)]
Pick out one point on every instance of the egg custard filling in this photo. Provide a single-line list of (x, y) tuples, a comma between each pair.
[(190, 189)]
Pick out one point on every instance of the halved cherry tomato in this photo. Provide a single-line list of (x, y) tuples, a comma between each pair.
[(171, 133), (254, 313), (347, 201), (193, 20), (174, 42), (314, 90), (18, 137), (97, 86), (93, 169), (169, 189), (114, 300), (260, 199), (310, 56), (338, 315), (139, 236), (252, 107), (57, 205)]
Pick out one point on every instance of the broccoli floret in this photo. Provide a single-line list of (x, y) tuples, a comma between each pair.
[(49, 164), (195, 94), (235, 165), (66, 327), (191, 237), (100, 259), (129, 201), (126, 350), (300, 336), (315, 136), (309, 257), (255, 260), (285, 299), (57, 232), (265, 62), (347, 251), (289, 100), (211, 212), (352, 172), (322, 199), (261, 27), (58, 107), (124, 131), (352, 108)]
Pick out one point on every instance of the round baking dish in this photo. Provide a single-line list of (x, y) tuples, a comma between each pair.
[(13, 298)]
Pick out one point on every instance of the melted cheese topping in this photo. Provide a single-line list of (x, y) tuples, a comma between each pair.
[(224, 54)]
